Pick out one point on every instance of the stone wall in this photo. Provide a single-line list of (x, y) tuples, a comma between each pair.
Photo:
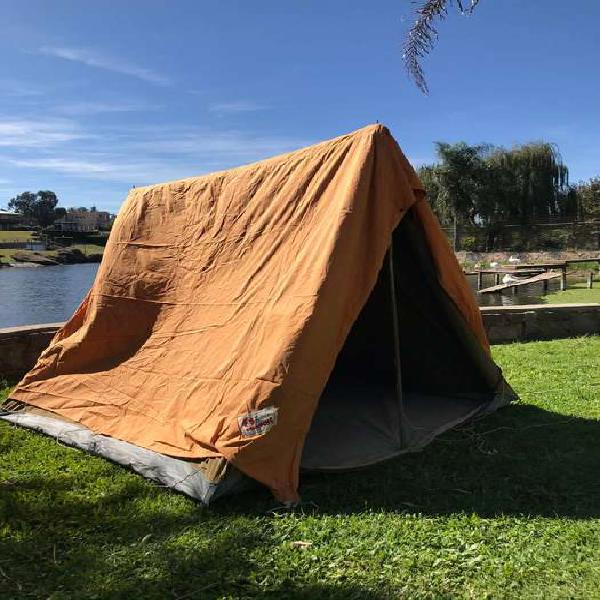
[(21, 346), (506, 324)]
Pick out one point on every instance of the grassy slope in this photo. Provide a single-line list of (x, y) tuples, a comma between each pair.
[(12, 236), (577, 293), (15, 236), (506, 508), (87, 249)]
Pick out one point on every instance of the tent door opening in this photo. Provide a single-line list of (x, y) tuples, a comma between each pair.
[(406, 372)]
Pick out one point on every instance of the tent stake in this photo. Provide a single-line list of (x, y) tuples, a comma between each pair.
[(396, 330)]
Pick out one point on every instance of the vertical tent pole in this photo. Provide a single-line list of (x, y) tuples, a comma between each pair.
[(396, 328)]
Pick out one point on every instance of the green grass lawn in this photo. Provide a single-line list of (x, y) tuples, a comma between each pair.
[(585, 266), (576, 293), (507, 507), (12, 236), (15, 236), (89, 248), (5, 254)]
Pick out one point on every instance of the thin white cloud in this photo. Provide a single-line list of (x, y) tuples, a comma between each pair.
[(119, 169), (100, 61), (240, 106), (29, 133), (146, 157), (16, 88), (221, 145), (92, 108), (64, 165)]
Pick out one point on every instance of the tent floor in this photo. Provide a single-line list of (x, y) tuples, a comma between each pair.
[(347, 432), (360, 425)]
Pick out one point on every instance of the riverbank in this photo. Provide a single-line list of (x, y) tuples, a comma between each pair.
[(28, 249), (93, 253), (72, 255), (469, 260)]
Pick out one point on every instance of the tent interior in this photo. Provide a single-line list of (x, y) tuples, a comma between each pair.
[(402, 376)]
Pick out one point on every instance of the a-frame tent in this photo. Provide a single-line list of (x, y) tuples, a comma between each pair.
[(305, 311)]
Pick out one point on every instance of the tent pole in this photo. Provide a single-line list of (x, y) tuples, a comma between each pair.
[(396, 331)]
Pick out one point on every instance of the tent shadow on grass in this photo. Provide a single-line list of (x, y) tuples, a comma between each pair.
[(107, 533), (105, 549), (522, 460)]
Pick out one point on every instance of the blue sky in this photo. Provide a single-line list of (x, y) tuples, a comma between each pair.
[(98, 96)]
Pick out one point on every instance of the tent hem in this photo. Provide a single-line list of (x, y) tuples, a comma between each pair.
[(173, 473)]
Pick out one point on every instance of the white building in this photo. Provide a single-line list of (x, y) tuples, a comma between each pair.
[(84, 220)]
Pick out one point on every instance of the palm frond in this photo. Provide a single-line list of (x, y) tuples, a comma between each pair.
[(423, 34)]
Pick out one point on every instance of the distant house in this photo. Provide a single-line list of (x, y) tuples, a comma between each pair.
[(84, 220), (9, 219)]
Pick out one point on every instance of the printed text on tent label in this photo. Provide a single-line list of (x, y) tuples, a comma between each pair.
[(257, 422)]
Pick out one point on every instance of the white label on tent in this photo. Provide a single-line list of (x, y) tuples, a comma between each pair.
[(258, 422)]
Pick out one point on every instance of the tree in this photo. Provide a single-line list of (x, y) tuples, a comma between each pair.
[(488, 186), (458, 180), (428, 174), (423, 34), (588, 198), (40, 206), (23, 204), (531, 182)]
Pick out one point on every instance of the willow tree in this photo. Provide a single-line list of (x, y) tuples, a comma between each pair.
[(423, 34), (530, 182), (487, 187)]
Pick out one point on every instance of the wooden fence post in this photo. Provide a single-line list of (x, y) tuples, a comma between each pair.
[(563, 279)]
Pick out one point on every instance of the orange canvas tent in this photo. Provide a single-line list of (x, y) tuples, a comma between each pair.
[(301, 311)]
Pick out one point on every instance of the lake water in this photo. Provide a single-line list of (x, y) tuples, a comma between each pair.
[(30, 295)]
